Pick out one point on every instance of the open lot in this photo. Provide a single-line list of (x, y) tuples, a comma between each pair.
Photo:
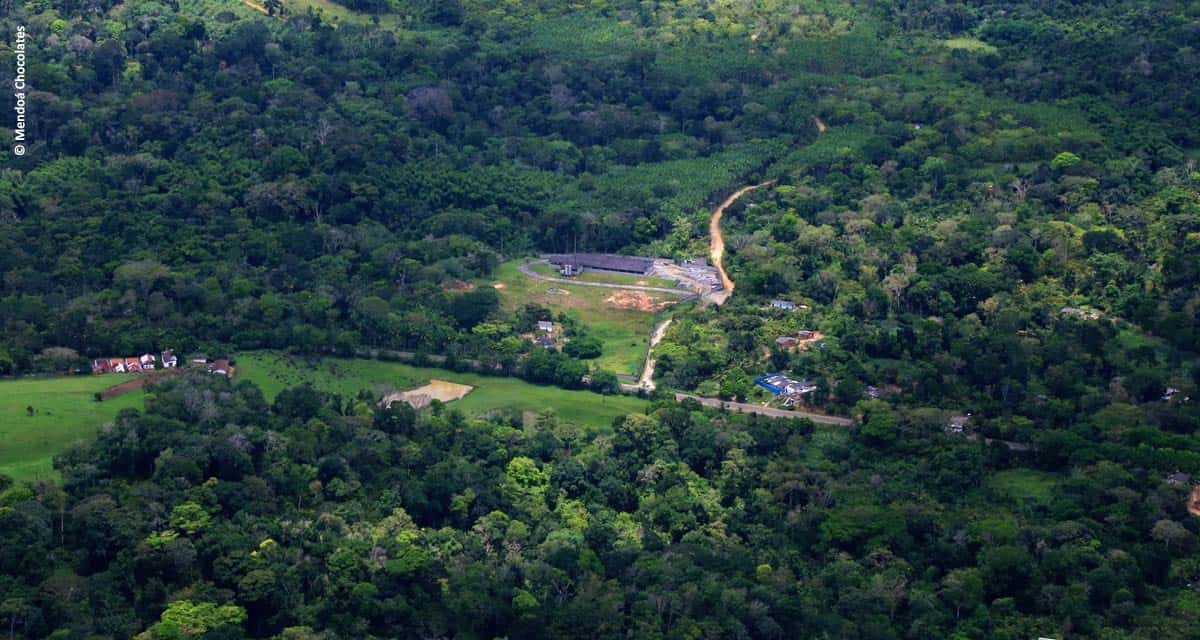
[(423, 396), (64, 411), (621, 320), (274, 371), (1021, 484)]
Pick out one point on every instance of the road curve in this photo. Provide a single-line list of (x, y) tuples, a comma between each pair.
[(742, 407), (634, 287), (716, 246)]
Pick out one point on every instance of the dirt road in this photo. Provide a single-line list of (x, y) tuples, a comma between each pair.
[(647, 380), (257, 7), (742, 407), (716, 247)]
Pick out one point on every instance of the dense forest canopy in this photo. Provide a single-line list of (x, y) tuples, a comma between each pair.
[(989, 209)]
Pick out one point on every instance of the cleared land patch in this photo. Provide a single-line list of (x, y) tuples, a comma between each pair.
[(637, 300), (423, 396), (64, 410), (621, 325), (1021, 484)]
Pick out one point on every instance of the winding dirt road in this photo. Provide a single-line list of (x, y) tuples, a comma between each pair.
[(716, 243)]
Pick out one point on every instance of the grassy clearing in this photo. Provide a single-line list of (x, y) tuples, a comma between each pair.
[(623, 333), (64, 412), (274, 372), (1019, 484), (969, 44)]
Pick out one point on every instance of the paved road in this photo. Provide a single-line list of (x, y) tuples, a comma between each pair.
[(743, 407), (634, 287)]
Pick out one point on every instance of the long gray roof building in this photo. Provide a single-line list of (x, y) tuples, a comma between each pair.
[(603, 261)]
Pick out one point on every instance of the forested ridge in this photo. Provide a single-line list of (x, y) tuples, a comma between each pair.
[(1001, 222), (215, 515)]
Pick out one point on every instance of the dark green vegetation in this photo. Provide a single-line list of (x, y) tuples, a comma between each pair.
[(216, 514), (1002, 219)]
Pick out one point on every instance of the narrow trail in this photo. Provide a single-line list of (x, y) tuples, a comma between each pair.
[(716, 247), (647, 380)]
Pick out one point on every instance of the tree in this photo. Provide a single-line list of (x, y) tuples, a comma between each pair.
[(473, 307), (583, 347), (1171, 534), (187, 619), (605, 382), (963, 589), (524, 485)]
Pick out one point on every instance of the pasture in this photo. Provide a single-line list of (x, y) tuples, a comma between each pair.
[(63, 412), (1021, 484), (275, 371)]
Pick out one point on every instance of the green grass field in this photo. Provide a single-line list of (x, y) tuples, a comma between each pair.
[(274, 372), (624, 333), (1019, 484), (64, 412), (969, 44)]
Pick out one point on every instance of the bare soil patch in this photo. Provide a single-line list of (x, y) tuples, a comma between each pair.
[(135, 384), (421, 397), (497, 285), (805, 343), (458, 285), (555, 291), (637, 300), (1193, 505)]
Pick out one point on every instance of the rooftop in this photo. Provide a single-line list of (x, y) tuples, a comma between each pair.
[(603, 261)]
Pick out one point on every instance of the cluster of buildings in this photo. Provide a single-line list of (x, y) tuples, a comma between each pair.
[(165, 360), (690, 273), (544, 337), (145, 362), (787, 342), (786, 305), (1090, 314), (781, 386)]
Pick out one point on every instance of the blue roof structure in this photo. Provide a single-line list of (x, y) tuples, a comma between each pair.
[(779, 384), (767, 380)]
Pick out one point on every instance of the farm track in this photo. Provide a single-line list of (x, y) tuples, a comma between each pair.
[(743, 407), (647, 380)]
